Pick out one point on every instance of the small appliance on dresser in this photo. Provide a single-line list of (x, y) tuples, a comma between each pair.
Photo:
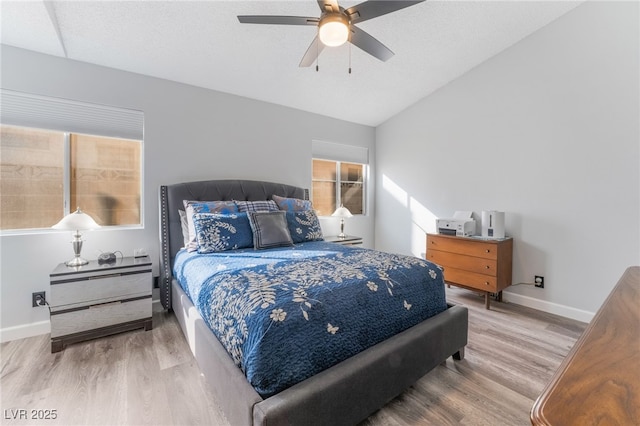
[(493, 224), (99, 299), (461, 224)]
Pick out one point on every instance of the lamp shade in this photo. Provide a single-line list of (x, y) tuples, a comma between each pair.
[(333, 30), (342, 212), (76, 221)]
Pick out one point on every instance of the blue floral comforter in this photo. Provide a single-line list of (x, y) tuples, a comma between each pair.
[(286, 314)]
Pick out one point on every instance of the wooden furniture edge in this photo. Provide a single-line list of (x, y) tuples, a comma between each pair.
[(537, 414)]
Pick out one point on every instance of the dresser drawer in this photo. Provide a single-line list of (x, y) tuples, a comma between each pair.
[(103, 288), (97, 316), (463, 246), (467, 263), (471, 279)]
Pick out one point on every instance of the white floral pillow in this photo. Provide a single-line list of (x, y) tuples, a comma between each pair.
[(221, 232)]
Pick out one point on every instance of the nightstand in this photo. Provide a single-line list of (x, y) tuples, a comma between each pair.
[(349, 240), (96, 300)]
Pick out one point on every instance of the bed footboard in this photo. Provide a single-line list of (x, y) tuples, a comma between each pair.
[(352, 390)]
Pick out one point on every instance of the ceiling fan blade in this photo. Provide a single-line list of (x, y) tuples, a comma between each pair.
[(312, 53), (278, 20), (328, 6), (369, 44), (374, 8)]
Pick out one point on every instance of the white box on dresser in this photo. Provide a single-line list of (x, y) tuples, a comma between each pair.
[(97, 300)]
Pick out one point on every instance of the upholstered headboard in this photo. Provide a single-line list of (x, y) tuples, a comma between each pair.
[(171, 197)]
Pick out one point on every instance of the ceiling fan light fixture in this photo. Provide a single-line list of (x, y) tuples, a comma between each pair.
[(333, 30)]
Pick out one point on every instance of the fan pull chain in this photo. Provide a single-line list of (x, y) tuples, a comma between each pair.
[(349, 58), (317, 53)]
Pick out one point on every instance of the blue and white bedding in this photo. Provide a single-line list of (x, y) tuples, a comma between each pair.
[(285, 314)]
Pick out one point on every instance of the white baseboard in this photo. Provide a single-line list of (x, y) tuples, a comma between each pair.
[(549, 307), (44, 327), (24, 331)]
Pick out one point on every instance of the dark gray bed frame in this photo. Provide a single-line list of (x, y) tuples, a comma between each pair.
[(341, 395)]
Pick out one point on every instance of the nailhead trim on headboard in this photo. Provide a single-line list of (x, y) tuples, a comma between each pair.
[(165, 263)]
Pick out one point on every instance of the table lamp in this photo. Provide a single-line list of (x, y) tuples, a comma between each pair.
[(343, 213), (76, 221)]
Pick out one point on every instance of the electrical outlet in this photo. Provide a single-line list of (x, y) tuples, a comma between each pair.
[(38, 299), (539, 281), (139, 252)]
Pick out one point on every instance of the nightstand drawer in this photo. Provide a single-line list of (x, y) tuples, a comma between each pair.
[(102, 288), (470, 279), (97, 316), (462, 246), (467, 263)]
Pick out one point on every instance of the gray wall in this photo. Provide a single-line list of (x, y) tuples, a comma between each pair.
[(547, 131), (190, 134)]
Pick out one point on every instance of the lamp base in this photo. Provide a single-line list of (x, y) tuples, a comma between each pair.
[(77, 261), (77, 249), (342, 235)]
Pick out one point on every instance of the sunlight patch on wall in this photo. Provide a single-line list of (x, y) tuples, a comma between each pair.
[(394, 190), (422, 216), (423, 221)]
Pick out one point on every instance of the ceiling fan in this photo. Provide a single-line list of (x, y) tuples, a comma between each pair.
[(336, 25)]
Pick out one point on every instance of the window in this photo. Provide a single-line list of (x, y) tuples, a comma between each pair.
[(339, 177), (56, 155), (336, 183), (46, 174), (105, 178)]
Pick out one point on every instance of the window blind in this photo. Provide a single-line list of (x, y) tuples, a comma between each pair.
[(42, 112), (339, 152)]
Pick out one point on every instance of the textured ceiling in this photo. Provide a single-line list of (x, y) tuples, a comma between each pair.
[(203, 44)]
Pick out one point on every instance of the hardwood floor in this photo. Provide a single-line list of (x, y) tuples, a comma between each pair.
[(141, 378)]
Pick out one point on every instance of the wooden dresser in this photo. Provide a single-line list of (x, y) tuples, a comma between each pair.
[(473, 263), (598, 382)]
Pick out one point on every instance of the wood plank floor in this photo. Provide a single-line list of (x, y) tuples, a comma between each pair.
[(141, 378)]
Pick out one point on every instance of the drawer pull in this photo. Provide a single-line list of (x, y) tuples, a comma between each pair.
[(488, 251), (486, 282), (103, 305), (99, 277)]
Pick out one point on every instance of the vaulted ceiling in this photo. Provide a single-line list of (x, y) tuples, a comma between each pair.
[(203, 44)]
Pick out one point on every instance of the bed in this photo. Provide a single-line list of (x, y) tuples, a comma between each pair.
[(344, 393)]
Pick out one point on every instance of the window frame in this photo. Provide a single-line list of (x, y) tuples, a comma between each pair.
[(66, 197), (339, 181)]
